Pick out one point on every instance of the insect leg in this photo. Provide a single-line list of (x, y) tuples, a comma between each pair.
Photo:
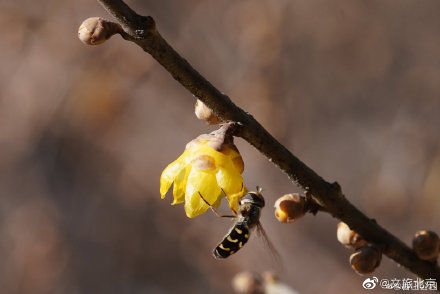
[(213, 208), (229, 203)]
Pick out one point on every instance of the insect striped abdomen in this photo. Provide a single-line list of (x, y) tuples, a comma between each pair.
[(233, 241)]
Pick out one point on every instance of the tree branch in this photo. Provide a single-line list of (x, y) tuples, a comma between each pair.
[(142, 31)]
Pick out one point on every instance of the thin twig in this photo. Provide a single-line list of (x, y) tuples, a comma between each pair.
[(142, 30)]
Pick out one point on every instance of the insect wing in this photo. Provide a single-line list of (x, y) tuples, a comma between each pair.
[(273, 251)]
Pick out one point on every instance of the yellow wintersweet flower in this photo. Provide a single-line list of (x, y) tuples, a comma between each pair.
[(210, 166)]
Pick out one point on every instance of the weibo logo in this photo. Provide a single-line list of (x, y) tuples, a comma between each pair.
[(370, 283)]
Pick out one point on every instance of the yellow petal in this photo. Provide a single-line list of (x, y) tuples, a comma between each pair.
[(205, 184), (232, 184), (229, 180), (186, 157), (204, 162), (179, 186), (238, 163), (219, 158), (233, 199), (168, 176), (218, 202)]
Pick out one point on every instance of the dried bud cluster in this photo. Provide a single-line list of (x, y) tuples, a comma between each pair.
[(95, 30), (348, 237), (254, 283), (273, 285), (247, 283), (290, 208), (205, 113), (366, 259), (426, 245)]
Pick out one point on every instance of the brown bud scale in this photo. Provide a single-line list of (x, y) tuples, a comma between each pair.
[(366, 259), (289, 208), (205, 113), (426, 245), (95, 30), (348, 237)]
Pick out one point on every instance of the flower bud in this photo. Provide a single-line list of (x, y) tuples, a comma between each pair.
[(289, 208), (349, 238), (270, 277), (205, 113), (273, 285), (366, 259), (95, 30), (426, 245), (247, 283)]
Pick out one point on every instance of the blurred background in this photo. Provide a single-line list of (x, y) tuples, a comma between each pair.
[(350, 86)]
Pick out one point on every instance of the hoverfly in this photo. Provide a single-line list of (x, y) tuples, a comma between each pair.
[(246, 218)]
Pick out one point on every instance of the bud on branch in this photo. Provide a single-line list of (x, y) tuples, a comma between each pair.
[(96, 30)]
